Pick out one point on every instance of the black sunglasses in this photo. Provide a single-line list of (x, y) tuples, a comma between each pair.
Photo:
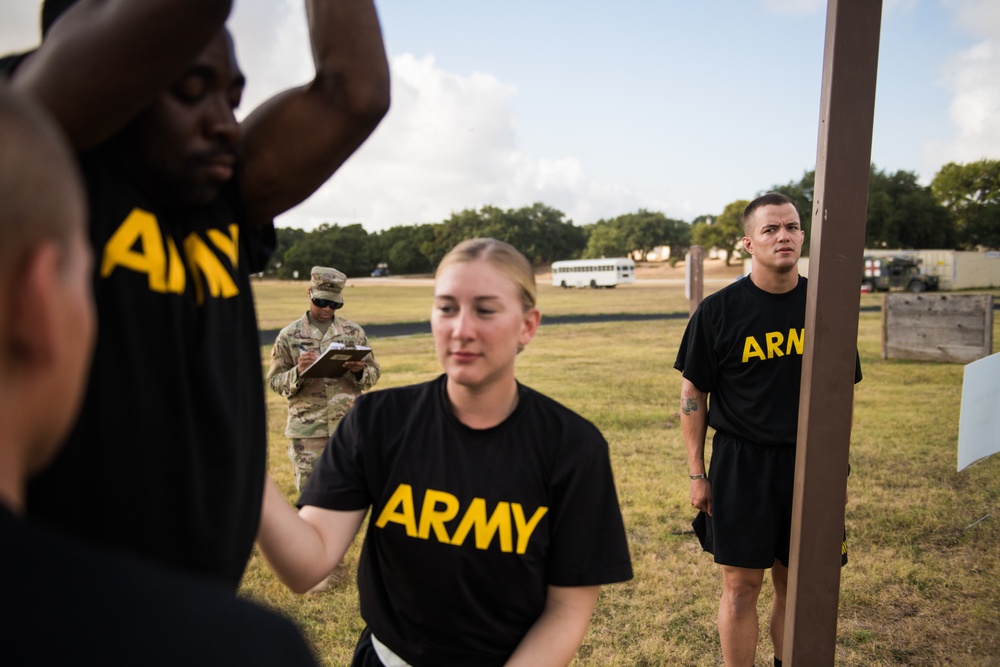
[(323, 303)]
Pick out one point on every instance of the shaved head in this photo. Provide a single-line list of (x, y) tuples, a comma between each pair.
[(41, 193), (45, 292)]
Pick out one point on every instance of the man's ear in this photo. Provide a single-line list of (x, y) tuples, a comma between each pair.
[(32, 317), (747, 244)]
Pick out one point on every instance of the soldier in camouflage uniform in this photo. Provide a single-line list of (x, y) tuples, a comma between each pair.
[(316, 405)]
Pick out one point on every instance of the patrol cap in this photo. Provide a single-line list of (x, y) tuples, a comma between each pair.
[(327, 284)]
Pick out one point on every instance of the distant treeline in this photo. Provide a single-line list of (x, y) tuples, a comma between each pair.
[(959, 210), (542, 233)]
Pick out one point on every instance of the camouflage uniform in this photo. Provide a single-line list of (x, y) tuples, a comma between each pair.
[(316, 405)]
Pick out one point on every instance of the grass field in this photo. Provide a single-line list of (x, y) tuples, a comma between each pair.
[(922, 584)]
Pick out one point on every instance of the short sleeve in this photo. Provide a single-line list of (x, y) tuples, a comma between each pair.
[(588, 542), (696, 356), (338, 480)]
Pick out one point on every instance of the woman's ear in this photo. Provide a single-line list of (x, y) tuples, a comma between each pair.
[(529, 327)]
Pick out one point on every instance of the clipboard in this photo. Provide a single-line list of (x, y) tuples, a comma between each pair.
[(330, 364)]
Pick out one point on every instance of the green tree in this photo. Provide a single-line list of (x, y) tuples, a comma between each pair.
[(645, 230), (639, 232), (901, 213), (725, 232), (677, 235), (543, 234), (606, 239), (904, 214), (399, 247), (345, 248), (971, 192), (287, 237), (540, 232)]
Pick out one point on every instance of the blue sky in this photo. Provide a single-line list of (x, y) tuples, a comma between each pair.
[(599, 108)]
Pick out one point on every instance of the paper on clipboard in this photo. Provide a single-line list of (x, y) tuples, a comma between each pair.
[(330, 364)]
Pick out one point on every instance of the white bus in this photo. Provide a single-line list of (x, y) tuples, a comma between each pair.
[(593, 273)]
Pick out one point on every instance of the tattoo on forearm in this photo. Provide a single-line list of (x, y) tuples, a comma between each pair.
[(689, 405)]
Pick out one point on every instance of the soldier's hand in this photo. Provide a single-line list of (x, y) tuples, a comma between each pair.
[(701, 495), (306, 359), (355, 366)]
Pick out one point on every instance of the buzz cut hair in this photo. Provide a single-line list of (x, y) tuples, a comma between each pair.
[(36, 159), (770, 199)]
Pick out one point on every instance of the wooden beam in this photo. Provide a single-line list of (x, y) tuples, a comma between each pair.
[(840, 200), (695, 277)]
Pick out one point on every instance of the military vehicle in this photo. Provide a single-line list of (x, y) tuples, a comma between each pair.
[(882, 274)]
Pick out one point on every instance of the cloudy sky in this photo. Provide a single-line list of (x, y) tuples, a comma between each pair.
[(599, 108)]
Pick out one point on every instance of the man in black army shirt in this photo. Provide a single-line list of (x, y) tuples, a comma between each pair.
[(167, 460)]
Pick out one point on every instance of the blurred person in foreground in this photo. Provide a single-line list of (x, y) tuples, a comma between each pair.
[(743, 347), (168, 458), (110, 610), (494, 516)]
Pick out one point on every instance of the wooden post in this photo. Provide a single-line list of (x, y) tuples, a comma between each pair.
[(694, 273), (840, 201)]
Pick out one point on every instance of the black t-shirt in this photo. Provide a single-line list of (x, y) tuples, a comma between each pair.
[(167, 459), (743, 346), (468, 527), (65, 603)]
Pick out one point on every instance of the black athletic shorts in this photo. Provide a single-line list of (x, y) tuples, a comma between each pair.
[(752, 488)]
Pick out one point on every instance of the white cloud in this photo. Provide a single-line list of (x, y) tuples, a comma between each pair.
[(20, 28), (975, 107), (449, 143), (454, 141), (794, 7), (810, 7), (977, 17), (972, 78)]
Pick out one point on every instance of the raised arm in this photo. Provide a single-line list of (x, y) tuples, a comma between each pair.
[(303, 547), (294, 142), (104, 60), (694, 427)]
